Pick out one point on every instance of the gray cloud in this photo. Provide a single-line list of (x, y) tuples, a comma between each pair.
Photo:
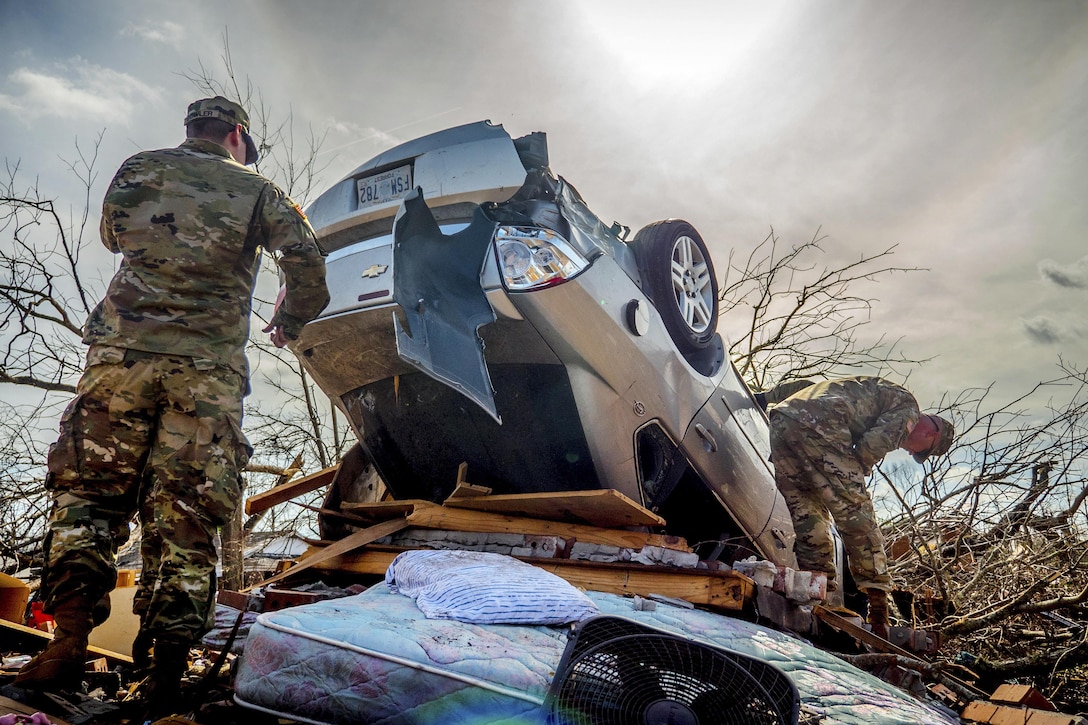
[(166, 32), (1071, 276), (1048, 331)]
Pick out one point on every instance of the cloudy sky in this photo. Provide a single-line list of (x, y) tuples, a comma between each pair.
[(956, 130)]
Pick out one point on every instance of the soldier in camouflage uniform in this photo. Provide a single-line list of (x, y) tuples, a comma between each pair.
[(825, 440), (155, 426)]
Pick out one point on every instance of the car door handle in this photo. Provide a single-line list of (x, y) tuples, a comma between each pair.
[(708, 438)]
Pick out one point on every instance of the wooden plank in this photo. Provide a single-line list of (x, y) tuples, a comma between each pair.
[(29, 632), (385, 510), (880, 644), (348, 543), (722, 590), (458, 519), (464, 489), (606, 508), (335, 514), (283, 493)]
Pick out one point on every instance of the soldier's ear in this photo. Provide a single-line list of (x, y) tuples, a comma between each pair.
[(236, 143)]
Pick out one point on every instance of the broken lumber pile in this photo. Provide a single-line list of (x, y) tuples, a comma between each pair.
[(590, 538)]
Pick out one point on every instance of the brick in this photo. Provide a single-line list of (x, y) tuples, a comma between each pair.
[(1006, 715), (1022, 695), (1042, 717), (979, 711), (993, 714)]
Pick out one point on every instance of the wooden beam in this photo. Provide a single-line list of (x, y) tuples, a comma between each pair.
[(359, 538), (17, 629), (464, 489), (337, 514), (385, 510), (880, 644), (283, 493), (720, 590), (607, 507), (458, 519)]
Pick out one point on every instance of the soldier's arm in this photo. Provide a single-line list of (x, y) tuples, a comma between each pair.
[(289, 235), (111, 211), (105, 231), (899, 413)]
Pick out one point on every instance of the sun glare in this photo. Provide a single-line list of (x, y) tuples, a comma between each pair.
[(683, 45)]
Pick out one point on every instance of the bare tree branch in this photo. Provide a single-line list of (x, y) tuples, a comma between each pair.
[(803, 319)]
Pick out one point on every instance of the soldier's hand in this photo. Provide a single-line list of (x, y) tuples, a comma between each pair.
[(278, 337)]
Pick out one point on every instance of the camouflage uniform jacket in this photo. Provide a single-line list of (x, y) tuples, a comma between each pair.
[(189, 223), (867, 416)]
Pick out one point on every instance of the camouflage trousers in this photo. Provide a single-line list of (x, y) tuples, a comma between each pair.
[(158, 435), (819, 481)]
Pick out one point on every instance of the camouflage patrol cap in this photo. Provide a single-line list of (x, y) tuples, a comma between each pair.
[(222, 109), (944, 439)]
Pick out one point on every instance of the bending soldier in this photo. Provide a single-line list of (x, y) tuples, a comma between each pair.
[(825, 440)]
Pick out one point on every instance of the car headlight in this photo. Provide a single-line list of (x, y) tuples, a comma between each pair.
[(532, 257)]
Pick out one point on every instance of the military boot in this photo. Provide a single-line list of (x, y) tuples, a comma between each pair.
[(61, 664), (169, 661), (878, 612)]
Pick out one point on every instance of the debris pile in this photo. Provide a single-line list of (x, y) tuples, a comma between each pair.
[(598, 541)]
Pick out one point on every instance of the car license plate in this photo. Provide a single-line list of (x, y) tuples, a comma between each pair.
[(386, 186)]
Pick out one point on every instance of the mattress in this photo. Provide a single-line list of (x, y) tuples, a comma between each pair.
[(374, 658)]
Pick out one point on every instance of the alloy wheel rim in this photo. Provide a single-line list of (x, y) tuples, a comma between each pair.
[(691, 284)]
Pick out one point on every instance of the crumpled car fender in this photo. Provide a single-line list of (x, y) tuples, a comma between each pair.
[(436, 282)]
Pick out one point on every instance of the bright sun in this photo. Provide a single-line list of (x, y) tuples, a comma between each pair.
[(696, 43)]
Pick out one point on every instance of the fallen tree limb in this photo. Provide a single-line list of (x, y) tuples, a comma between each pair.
[(1042, 661)]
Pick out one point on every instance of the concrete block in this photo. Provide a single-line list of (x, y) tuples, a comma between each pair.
[(594, 552), (505, 539), (762, 572), (544, 546), (660, 556)]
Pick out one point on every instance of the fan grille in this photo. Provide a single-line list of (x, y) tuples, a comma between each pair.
[(615, 671)]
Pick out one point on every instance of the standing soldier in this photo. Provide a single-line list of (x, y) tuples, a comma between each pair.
[(155, 425), (825, 440)]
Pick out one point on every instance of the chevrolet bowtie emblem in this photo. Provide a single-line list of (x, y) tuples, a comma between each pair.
[(375, 270)]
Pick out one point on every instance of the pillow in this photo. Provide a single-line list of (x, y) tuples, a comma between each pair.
[(484, 588)]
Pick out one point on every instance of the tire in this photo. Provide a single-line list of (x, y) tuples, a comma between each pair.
[(678, 276)]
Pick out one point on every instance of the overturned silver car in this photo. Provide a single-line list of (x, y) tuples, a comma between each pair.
[(481, 313)]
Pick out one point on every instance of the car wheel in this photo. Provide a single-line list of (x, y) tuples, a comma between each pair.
[(678, 275)]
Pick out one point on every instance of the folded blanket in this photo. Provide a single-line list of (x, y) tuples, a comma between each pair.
[(485, 588)]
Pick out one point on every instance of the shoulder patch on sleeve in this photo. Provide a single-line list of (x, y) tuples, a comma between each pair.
[(293, 204)]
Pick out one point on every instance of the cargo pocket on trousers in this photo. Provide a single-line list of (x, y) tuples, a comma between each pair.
[(878, 560), (63, 461), (221, 491)]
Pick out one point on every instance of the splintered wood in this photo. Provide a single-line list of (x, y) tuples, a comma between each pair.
[(581, 536)]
